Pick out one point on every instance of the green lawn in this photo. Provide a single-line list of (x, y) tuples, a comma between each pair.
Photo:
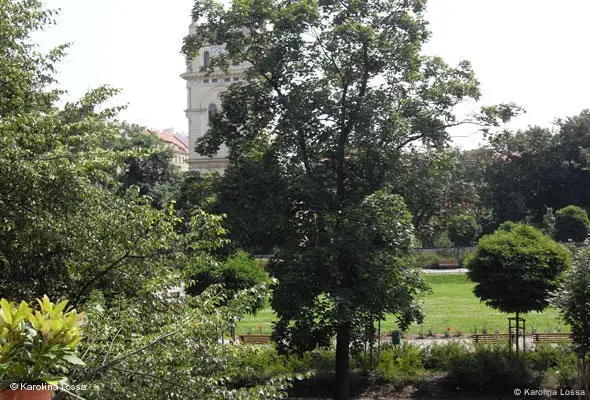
[(451, 304)]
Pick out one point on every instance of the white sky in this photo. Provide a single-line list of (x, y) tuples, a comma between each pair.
[(532, 52)]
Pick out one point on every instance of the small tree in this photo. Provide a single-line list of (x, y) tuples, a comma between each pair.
[(572, 302), (463, 230), (239, 272), (517, 268), (571, 222)]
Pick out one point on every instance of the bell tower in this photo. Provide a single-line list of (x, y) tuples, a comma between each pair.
[(203, 101)]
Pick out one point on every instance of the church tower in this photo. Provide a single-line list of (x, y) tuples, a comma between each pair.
[(203, 101)]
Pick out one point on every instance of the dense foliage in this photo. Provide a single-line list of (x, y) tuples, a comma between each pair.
[(238, 272), (77, 222), (38, 344), (463, 230), (335, 92), (148, 166), (573, 302), (517, 268), (571, 222)]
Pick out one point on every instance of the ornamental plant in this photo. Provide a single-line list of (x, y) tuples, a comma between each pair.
[(517, 268), (38, 344), (571, 222)]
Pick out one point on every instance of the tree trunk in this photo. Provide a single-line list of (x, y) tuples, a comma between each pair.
[(517, 332), (341, 383)]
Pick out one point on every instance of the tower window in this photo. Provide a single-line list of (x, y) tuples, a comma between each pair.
[(227, 79), (205, 80), (214, 80), (206, 59), (212, 110), (236, 78)]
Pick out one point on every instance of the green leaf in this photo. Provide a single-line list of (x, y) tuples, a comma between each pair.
[(72, 359)]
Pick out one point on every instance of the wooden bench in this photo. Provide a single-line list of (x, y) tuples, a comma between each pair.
[(552, 337), (254, 339), (449, 262), (490, 337)]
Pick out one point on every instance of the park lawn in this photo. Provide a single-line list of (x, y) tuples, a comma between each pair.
[(451, 304)]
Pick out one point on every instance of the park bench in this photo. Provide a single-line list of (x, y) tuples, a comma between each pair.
[(448, 262), (490, 337), (552, 337), (254, 339)]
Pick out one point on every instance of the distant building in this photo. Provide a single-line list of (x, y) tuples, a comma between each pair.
[(203, 101), (178, 143)]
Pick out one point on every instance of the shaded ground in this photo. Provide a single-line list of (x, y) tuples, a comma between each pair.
[(433, 386)]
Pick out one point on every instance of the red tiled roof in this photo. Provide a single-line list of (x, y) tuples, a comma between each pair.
[(172, 139)]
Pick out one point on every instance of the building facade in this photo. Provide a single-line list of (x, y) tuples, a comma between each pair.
[(178, 144), (203, 90)]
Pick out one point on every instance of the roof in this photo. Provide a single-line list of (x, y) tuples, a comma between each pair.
[(175, 140)]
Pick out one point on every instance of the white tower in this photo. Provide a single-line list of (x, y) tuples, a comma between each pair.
[(203, 91)]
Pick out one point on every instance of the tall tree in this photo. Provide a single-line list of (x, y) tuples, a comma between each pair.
[(336, 90)]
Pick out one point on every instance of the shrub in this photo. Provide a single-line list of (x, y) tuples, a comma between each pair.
[(38, 345), (571, 222), (463, 257), (400, 364), (238, 272), (547, 356), (428, 260), (440, 356), (463, 230), (254, 365), (489, 369)]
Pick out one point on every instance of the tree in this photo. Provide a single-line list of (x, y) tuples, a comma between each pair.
[(535, 169), (572, 302), (148, 166), (463, 230), (432, 181), (238, 272), (158, 347), (571, 222), (517, 268), (69, 231), (336, 90), (521, 175), (257, 218)]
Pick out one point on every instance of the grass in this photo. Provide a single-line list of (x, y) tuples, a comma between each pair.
[(451, 304)]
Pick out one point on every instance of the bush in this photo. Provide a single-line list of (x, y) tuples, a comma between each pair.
[(440, 356), (400, 364), (428, 260), (489, 369), (571, 222), (464, 257), (463, 230), (238, 272), (254, 365), (547, 356)]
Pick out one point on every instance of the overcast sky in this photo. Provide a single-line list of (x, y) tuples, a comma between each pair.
[(532, 52)]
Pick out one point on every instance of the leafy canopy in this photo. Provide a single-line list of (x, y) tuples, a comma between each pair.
[(571, 222), (463, 230), (335, 92), (517, 268), (572, 300)]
